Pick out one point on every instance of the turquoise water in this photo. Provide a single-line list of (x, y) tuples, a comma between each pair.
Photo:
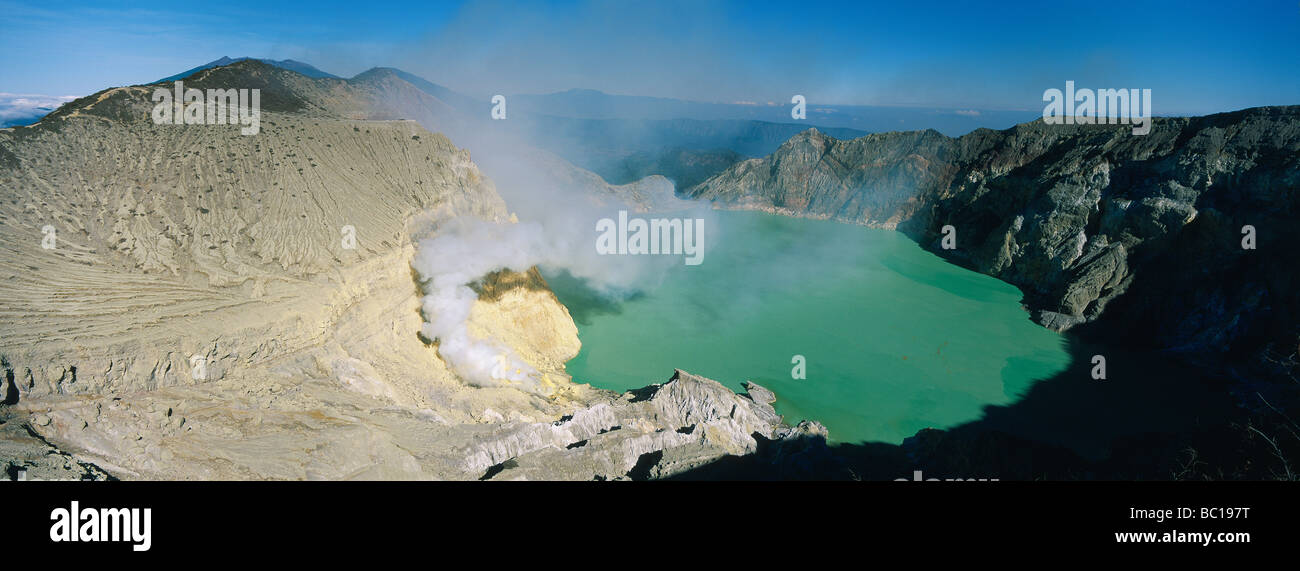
[(895, 339)]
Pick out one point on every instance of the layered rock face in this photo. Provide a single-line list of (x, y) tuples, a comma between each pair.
[(186, 302), (653, 432), (873, 180), (1084, 219)]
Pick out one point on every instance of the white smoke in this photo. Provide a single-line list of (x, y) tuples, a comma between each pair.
[(449, 263), (468, 249), (558, 205)]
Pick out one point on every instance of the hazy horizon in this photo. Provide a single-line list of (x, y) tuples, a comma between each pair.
[(716, 52)]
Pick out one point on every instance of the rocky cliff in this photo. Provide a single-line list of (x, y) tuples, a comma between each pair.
[(1086, 220)]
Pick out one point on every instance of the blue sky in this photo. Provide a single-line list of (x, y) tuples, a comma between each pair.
[(1196, 57)]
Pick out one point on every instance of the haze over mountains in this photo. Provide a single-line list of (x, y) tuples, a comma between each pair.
[(600, 131), (25, 109)]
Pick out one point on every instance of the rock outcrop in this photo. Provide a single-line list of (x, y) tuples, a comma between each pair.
[(873, 180), (649, 433)]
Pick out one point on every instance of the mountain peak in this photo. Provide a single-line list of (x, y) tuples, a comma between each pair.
[(810, 136), (376, 73), (289, 64)]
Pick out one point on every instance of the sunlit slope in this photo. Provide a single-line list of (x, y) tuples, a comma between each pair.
[(186, 302)]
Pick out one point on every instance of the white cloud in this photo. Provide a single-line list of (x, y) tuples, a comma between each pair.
[(23, 108)]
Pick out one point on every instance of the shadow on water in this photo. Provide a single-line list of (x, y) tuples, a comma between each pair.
[(1155, 416), (583, 301), (1149, 417)]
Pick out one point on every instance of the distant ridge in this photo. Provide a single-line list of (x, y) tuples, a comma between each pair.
[(291, 65), (453, 98)]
